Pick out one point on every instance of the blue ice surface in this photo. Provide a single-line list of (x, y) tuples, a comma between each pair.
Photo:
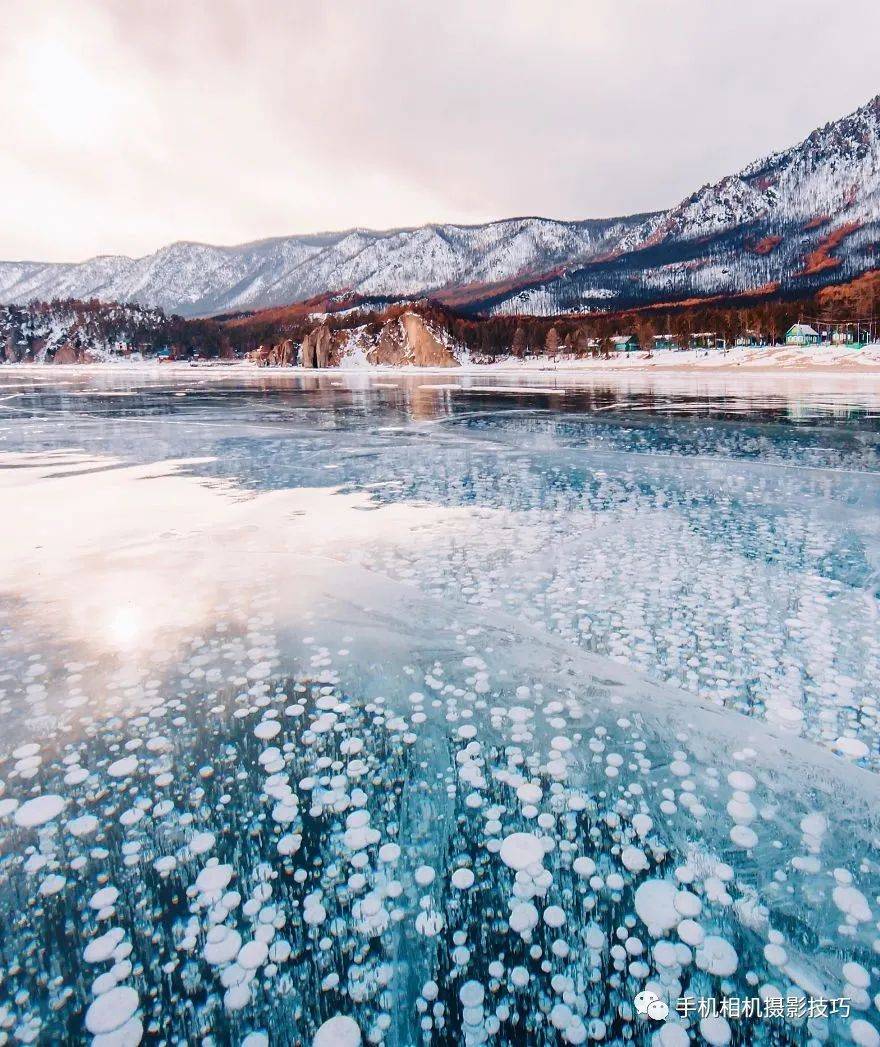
[(336, 707)]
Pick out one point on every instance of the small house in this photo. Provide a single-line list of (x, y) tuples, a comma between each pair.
[(802, 334), (664, 341), (624, 343), (849, 334), (706, 340), (749, 338)]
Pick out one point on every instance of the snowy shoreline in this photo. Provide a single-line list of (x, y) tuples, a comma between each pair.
[(766, 361)]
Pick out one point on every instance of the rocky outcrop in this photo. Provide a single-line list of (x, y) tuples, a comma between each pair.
[(430, 348), (69, 353), (11, 351), (319, 348), (283, 354), (410, 340), (406, 340), (66, 354)]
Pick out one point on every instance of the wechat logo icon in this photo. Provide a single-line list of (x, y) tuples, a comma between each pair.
[(649, 1003)]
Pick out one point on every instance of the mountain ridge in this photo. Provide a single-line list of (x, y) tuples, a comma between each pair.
[(704, 245)]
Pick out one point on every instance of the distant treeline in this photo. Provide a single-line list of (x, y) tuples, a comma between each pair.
[(153, 333)]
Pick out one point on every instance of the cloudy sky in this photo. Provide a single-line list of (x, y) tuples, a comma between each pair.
[(128, 125)]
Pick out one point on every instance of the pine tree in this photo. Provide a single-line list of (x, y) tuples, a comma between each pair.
[(518, 346)]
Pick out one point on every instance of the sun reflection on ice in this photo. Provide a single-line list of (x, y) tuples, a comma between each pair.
[(123, 626)]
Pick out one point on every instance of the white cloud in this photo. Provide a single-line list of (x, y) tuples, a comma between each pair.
[(127, 126)]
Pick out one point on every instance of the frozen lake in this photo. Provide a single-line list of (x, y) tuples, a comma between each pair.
[(438, 709)]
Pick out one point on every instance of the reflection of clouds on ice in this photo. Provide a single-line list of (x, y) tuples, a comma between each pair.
[(482, 734)]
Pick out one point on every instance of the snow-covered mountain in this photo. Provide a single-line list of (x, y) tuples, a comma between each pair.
[(198, 279), (790, 220)]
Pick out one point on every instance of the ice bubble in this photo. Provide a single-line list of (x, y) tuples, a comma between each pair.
[(39, 810), (715, 1030), (852, 903), (429, 923), (288, 845), (863, 1033), (338, 1031), (856, 975), (267, 729), (360, 837), (741, 780), (370, 915), (202, 842), (642, 824), (814, 824), (717, 956), (314, 914), (688, 904), (85, 825), (214, 878), (111, 1010), (222, 945), (584, 867), (236, 997), (252, 954), (128, 1035), (7, 806), (523, 917), (102, 948), (554, 916), (655, 905), (672, 1035), (123, 768), (520, 850), (105, 896), (529, 793), (634, 859), (424, 875), (744, 837), (285, 813), (52, 885), (665, 954), (279, 951), (462, 879), (104, 982), (255, 1039), (471, 994), (852, 748)]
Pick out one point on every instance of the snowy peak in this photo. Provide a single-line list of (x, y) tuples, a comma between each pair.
[(716, 208), (834, 170)]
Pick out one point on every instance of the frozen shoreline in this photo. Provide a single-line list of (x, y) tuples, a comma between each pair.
[(765, 361)]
